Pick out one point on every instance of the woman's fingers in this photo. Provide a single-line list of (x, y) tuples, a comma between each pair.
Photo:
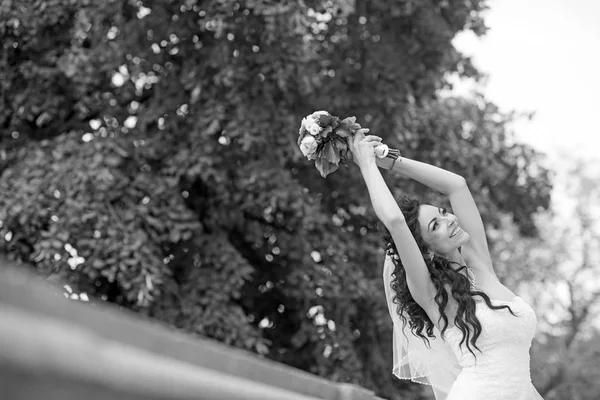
[(360, 135), (351, 145), (372, 138), (360, 139)]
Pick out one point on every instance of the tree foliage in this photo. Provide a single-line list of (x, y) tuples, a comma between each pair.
[(149, 159), (557, 272)]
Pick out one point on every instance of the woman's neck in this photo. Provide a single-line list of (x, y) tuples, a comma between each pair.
[(455, 257)]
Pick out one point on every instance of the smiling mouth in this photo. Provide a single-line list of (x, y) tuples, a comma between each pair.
[(456, 231)]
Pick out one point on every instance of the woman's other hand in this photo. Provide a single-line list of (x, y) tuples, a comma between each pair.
[(363, 148)]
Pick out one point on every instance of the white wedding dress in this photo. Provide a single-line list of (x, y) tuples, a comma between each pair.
[(501, 370)]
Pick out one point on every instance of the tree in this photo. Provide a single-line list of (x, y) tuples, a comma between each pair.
[(149, 160), (573, 336), (557, 271)]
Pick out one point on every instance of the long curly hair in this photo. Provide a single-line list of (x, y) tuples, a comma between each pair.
[(441, 273)]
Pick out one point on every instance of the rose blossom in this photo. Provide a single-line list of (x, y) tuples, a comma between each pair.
[(311, 126), (308, 147)]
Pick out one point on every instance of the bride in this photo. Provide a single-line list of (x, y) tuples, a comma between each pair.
[(456, 327)]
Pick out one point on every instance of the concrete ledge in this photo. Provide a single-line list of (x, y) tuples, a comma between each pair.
[(63, 344), (42, 345)]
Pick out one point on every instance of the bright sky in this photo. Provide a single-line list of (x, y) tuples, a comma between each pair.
[(544, 56)]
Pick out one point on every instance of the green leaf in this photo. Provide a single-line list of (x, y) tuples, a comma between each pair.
[(331, 153), (325, 167)]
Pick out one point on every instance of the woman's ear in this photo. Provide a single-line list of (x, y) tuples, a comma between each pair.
[(430, 255)]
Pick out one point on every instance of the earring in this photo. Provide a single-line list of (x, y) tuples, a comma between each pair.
[(430, 255)]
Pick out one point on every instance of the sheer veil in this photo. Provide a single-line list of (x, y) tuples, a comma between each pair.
[(436, 366)]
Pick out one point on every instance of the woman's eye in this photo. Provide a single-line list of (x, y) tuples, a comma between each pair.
[(435, 226)]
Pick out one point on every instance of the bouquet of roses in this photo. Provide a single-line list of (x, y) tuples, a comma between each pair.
[(323, 138)]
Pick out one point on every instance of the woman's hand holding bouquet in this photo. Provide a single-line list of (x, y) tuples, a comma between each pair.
[(363, 148), (325, 139)]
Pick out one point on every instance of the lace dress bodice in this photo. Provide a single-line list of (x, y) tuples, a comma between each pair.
[(501, 370)]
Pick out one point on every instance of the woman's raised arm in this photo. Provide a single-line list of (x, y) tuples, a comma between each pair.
[(419, 282)]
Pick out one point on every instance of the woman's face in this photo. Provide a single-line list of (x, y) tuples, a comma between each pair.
[(441, 230)]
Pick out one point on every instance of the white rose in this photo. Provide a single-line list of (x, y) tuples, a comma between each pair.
[(308, 147), (314, 129), (311, 126)]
